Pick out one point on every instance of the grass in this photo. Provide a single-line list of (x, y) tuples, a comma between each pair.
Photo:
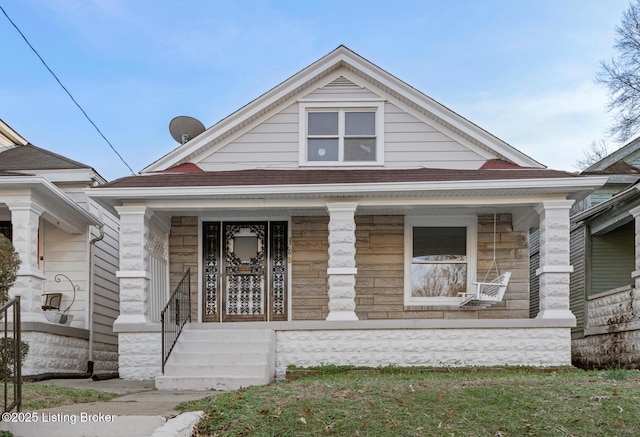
[(38, 396), (427, 403)]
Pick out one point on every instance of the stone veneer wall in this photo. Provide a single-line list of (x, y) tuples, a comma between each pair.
[(183, 255), (140, 355), (612, 332), (53, 353), (425, 347), (380, 263), (309, 262)]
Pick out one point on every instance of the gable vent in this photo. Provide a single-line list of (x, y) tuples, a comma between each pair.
[(342, 82)]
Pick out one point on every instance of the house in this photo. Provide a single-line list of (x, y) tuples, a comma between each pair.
[(68, 246), (605, 252), (337, 219)]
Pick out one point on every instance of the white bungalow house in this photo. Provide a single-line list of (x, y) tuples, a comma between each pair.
[(339, 219), (68, 246)]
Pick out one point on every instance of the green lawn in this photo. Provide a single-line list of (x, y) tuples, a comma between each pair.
[(427, 403), (38, 396)]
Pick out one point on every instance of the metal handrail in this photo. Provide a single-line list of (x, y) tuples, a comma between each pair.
[(175, 314), (17, 356)]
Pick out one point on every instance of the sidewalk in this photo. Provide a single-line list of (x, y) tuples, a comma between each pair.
[(139, 411)]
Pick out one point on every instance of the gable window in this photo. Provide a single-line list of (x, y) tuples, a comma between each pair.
[(440, 259), (347, 136)]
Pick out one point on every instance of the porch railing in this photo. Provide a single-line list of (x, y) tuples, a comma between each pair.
[(11, 362), (176, 313)]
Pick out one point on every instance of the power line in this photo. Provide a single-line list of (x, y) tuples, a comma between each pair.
[(66, 90)]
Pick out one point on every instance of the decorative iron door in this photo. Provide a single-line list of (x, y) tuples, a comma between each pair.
[(244, 255), (245, 271)]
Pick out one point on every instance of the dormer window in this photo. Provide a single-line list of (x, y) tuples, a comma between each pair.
[(346, 136)]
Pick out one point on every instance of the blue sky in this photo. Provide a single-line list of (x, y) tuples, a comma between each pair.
[(522, 70)]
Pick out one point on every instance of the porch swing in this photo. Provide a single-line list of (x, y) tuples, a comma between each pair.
[(486, 292)]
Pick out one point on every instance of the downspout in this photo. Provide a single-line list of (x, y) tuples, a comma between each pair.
[(90, 291)]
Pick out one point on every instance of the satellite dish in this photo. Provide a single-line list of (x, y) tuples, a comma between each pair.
[(183, 128)]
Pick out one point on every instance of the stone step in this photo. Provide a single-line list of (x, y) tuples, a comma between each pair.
[(207, 383), (216, 370), (220, 357)]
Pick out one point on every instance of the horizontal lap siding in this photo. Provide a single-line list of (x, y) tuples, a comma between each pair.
[(106, 305), (577, 279), (273, 143), (409, 140)]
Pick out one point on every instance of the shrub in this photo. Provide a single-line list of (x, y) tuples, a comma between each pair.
[(7, 355), (9, 264)]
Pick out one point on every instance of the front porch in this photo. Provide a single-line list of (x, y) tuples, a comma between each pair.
[(350, 297)]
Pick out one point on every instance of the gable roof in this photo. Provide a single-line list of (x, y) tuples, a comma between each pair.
[(30, 157), (342, 57), (619, 155)]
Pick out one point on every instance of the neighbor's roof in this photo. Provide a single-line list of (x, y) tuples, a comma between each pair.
[(30, 157), (317, 177)]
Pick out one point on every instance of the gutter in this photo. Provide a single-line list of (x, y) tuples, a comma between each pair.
[(602, 206)]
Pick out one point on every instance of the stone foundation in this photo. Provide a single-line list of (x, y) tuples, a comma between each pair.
[(612, 331), (55, 353), (542, 347)]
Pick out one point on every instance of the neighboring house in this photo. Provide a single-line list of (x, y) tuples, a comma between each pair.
[(335, 220), (605, 252), (55, 229)]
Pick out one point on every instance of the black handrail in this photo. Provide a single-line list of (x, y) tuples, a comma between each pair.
[(11, 375), (176, 313)]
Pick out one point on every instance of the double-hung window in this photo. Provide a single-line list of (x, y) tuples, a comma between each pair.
[(440, 259), (347, 136)]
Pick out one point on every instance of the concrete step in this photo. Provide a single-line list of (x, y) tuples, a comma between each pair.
[(216, 370), (221, 357), (193, 333), (207, 383), (187, 345)]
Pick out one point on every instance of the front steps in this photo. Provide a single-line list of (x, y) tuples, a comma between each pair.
[(205, 358)]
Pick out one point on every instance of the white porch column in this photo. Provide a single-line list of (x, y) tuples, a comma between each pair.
[(29, 285), (635, 212), (342, 270), (554, 268), (134, 270)]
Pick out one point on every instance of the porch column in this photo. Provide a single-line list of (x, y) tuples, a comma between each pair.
[(635, 212), (29, 285), (554, 268), (134, 271), (342, 270)]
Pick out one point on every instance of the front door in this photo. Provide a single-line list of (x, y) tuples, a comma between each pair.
[(244, 271)]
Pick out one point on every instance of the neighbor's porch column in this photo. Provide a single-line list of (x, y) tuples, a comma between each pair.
[(554, 260), (635, 212), (134, 271), (29, 285), (342, 270)]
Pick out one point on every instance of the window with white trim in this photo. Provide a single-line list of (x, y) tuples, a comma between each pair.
[(347, 136), (440, 259)]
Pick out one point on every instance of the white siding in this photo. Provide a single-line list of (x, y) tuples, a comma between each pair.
[(271, 144), (66, 254), (409, 141), (106, 290)]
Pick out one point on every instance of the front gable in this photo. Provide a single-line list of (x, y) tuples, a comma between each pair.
[(410, 129)]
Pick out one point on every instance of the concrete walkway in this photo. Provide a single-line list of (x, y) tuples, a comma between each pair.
[(139, 411)]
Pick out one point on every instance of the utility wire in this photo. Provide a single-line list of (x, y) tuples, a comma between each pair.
[(66, 90)]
